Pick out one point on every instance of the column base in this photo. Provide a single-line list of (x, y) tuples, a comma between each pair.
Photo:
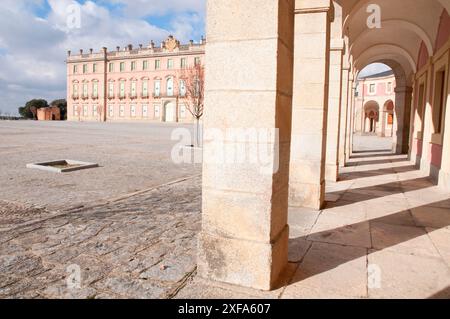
[(331, 173), (307, 195), (444, 180), (241, 262)]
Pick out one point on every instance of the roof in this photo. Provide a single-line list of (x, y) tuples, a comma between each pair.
[(377, 75)]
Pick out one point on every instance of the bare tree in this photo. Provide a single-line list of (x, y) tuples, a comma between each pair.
[(194, 97), (100, 112), (79, 109)]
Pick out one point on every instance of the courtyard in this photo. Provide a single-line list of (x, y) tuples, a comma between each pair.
[(131, 225)]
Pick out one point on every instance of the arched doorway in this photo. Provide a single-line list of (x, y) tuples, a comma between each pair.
[(371, 117), (169, 112)]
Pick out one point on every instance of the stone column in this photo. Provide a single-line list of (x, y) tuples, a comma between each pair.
[(383, 123), (344, 118), (244, 238), (444, 174), (403, 99), (351, 118), (334, 110), (310, 103), (425, 162)]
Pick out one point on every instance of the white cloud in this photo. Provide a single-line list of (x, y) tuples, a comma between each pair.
[(33, 49)]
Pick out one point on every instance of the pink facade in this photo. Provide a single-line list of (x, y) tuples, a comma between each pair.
[(143, 84), (375, 104)]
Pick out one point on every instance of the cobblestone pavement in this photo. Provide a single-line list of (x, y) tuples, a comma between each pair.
[(143, 246)]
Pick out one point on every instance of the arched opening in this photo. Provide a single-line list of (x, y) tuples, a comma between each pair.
[(169, 112)]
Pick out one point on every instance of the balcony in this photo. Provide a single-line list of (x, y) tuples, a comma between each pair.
[(75, 97), (132, 96), (94, 96), (84, 96), (144, 96), (111, 96), (122, 97)]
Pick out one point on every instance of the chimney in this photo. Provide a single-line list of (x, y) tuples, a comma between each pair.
[(118, 49), (203, 41), (130, 47), (140, 46), (105, 50), (69, 53), (191, 42), (81, 51), (152, 44), (91, 51)]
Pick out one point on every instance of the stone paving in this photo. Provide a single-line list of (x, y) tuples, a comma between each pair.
[(384, 233), (140, 247)]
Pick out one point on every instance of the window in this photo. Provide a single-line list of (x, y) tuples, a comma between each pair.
[(85, 68), (439, 102), (145, 110), (94, 68), (133, 88), (85, 110), (122, 89), (389, 87), (145, 88), (95, 89), (95, 110), (145, 65), (133, 66), (157, 64), (157, 113), (157, 88), (122, 110), (133, 110), (75, 110), (197, 61), (183, 63), (75, 69), (182, 88), (170, 87), (122, 66), (111, 67), (111, 89), (111, 110), (372, 88), (169, 64), (75, 90), (85, 90), (183, 111)]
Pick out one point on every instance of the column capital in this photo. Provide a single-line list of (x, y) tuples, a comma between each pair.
[(312, 6)]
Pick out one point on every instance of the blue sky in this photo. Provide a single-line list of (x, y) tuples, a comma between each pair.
[(34, 38)]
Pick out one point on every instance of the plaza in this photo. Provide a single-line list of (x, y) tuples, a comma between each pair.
[(132, 225)]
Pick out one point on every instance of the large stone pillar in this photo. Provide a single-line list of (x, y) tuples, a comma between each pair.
[(350, 118), (403, 100), (310, 103), (244, 238), (334, 110), (444, 174), (344, 118)]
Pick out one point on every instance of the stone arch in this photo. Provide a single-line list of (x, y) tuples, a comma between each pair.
[(371, 116)]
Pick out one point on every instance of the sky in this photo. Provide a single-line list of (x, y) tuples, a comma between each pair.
[(36, 34)]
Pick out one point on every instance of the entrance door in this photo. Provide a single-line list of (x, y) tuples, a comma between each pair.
[(169, 112)]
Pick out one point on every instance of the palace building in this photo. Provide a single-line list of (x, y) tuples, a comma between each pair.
[(132, 84), (374, 104)]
